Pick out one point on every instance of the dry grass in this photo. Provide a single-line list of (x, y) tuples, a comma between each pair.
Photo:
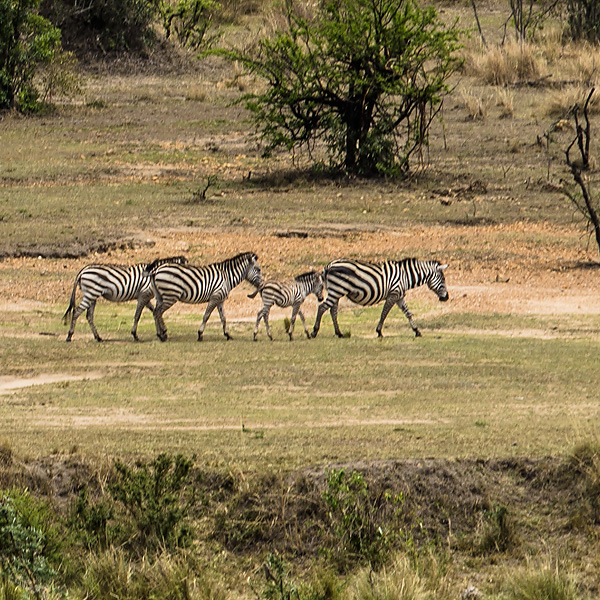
[(502, 65), (559, 103), (475, 105), (505, 100)]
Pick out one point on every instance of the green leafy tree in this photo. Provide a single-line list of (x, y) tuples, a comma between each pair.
[(28, 41), (365, 76)]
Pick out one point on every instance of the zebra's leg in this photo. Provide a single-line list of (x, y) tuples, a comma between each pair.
[(212, 304), (161, 307), (296, 311), (143, 301), (263, 313), (334, 312), (291, 329), (389, 303), (76, 314), (267, 311), (321, 310), (259, 316), (224, 322), (408, 315), (90, 317)]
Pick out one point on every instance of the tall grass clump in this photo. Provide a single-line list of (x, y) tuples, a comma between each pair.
[(560, 102), (397, 581), (502, 65), (540, 583), (476, 106), (499, 532), (111, 575)]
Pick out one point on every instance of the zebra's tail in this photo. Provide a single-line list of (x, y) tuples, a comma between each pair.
[(72, 302), (256, 291)]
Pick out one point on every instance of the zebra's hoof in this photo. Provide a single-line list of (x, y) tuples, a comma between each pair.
[(228, 337), (199, 337), (135, 337), (418, 333), (68, 339)]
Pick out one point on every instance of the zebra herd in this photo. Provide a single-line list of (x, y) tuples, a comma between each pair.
[(171, 280)]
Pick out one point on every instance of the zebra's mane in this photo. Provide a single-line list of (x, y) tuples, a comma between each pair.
[(306, 276), (239, 258), (412, 261), (180, 260)]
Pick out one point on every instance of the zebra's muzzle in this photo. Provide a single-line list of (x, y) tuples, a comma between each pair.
[(444, 298)]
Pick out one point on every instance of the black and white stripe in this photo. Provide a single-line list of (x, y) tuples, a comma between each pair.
[(289, 293), (195, 285), (367, 284), (117, 283)]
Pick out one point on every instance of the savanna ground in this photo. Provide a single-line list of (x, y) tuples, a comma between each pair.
[(483, 411)]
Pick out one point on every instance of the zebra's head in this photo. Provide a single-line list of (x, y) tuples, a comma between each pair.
[(317, 288), (437, 282), (312, 282), (253, 272)]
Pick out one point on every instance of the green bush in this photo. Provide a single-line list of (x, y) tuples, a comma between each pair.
[(364, 527), (30, 548), (28, 41), (146, 510)]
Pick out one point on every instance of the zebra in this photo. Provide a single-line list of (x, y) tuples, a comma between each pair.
[(195, 285), (117, 283), (291, 293), (368, 283)]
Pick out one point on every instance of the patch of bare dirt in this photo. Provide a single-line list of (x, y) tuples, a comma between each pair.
[(13, 384)]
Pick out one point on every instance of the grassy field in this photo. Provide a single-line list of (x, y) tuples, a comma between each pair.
[(483, 411), (469, 388)]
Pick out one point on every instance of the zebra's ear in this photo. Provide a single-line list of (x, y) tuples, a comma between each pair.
[(443, 267)]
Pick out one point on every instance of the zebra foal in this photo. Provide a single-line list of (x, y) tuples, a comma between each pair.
[(368, 283), (290, 293), (116, 283), (194, 285)]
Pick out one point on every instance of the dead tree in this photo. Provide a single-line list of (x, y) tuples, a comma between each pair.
[(585, 205)]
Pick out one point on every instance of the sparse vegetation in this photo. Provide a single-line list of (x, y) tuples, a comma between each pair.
[(342, 469)]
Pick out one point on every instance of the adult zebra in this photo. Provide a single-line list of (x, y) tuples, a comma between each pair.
[(368, 283), (288, 293), (194, 285), (116, 283)]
